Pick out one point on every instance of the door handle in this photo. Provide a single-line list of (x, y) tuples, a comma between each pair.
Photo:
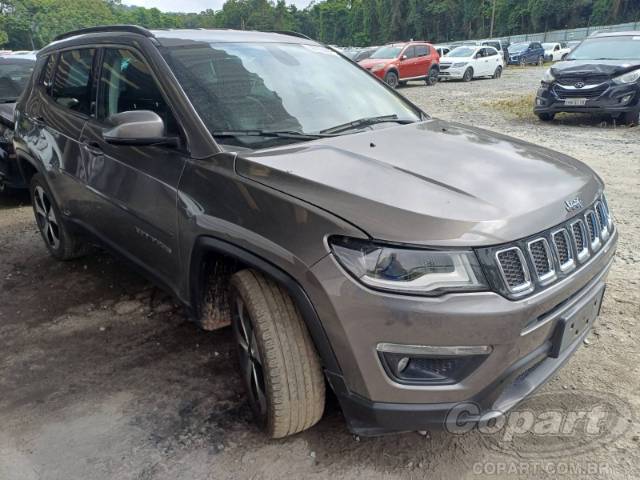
[(93, 148)]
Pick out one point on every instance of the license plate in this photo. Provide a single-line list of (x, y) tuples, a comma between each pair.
[(575, 102), (575, 323)]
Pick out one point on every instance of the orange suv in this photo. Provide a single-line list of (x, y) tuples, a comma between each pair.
[(397, 63)]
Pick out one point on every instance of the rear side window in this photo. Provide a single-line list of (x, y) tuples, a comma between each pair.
[(72, 83), (422, 50), (126, 84)]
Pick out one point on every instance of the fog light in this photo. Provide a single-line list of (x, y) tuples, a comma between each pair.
[(539, 102), (430, 365), (402, 364), (626, 98)]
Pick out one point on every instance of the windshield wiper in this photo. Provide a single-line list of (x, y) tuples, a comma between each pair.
[(269, 133), (365, 122)]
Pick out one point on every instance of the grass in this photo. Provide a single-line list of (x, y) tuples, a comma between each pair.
[(519, 106)]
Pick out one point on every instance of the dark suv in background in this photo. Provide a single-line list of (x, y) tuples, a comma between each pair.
[(14, 76), (601, 75), (526, 53), (346, 236)]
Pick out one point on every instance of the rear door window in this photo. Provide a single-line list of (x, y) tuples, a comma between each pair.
[(422, 50), (72, 84)]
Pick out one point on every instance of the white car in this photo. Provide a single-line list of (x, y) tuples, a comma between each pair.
[(468, 62), (555, 51)]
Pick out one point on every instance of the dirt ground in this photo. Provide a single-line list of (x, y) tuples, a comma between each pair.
[(102, 377)]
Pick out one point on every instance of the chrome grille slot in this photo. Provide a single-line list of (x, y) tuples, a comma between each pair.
[(580, 239), (593, 230), (603, 220), (514, 269), (563, 250), (542, 259)]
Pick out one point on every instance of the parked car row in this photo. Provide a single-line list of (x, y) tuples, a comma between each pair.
[(600, 75)]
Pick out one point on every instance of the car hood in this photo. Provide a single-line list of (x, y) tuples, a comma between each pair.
[(446, 59), (431, 183), (594, 67)]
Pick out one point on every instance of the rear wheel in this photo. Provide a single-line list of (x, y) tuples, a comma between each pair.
[(497, 73), (468, 75), (392, 79), (546, 117), (59, 240), (432, 77), (278, 362)]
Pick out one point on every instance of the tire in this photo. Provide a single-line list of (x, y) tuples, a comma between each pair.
[(497, 73), (564, 57), (59, 240), (279, 365), (432, 76), (391, 78), (631, 118), (523, 62), (402, 84), (546, 117), (540, 61), (468, 75)]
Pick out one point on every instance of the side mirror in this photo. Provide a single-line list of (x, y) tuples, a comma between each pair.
[(137, 127), (403, 57)]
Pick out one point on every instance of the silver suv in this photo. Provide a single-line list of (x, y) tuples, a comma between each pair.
[(348, 238)]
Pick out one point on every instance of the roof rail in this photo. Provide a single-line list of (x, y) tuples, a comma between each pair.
[(106, 28), (292, 34)]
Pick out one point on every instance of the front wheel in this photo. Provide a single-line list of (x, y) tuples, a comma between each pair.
[(523, 62), (546, 117), (391, 78), (631, 118), (432, 77), (59, 240), (497, 73), (278, 362), (540, 61), (468, 75)]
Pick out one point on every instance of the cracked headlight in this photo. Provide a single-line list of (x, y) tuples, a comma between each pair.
[(409, 270), (629, 77)]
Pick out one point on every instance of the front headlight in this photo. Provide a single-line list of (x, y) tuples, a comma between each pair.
[(459, 64), (548, 77), (628, 77), (409, 270), (378, 66)]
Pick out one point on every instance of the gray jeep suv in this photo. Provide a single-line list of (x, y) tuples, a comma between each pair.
[(348, 238)]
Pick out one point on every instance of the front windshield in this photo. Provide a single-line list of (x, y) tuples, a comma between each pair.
[(461, 52), (14, 76), (279, 87), (389, 51), (608, 48)]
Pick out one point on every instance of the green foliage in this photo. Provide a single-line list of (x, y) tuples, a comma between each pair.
[(31, 24)]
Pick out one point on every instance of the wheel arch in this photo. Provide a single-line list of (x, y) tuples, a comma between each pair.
[(27, 166), (209, 248)]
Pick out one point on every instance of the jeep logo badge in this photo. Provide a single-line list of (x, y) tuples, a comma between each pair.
[(579, 84), (573, 204)]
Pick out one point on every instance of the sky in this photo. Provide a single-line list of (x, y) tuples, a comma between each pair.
[(192, 5)]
